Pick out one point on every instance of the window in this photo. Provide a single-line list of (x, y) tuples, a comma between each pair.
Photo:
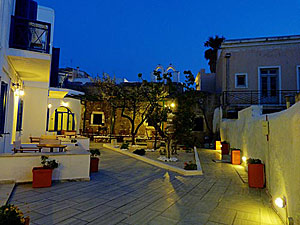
[(20, 115), (3, 99), (199, 125), (241, 80), (97, 118)]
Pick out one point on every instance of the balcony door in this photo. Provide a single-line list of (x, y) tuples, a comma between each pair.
[(269, 86)]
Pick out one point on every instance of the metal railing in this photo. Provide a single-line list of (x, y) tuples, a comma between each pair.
[(265, 97), (30, 35)]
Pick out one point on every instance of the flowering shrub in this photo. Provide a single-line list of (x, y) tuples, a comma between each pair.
[(190, 166), (10, 214), (47, 163)]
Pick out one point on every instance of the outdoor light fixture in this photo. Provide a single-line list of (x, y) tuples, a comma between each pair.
[(280, 202), (19, 92), (173, 105), (49, 106), (244, 158), (65, 104)]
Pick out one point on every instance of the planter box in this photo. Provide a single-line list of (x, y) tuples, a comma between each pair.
[(41, 177), (225, 148), (236, 157), (256, 175), (94, 165), (218, 145)]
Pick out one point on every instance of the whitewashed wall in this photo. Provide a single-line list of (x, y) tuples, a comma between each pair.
[(18, 167), (281, 154)]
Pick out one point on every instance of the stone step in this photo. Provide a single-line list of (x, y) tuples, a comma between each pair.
[(6, 190)]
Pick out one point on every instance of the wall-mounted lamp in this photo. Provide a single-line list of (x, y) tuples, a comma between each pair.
[(49, 106), (65, 104), (19, 92), (280, 202), (244, 158)]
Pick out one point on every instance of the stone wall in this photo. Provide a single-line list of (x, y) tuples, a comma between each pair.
[(280, 152), (122, 125)]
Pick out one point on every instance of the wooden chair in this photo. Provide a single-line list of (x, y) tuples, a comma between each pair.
[(18, 148), (50, 141)]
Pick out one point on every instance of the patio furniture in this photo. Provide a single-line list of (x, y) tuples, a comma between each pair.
[(51, 144), (18, 148), (34, 139)]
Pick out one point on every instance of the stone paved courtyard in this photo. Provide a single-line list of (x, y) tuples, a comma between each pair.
[(127, 191)]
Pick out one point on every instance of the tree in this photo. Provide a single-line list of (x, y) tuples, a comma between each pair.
[(211, 54)]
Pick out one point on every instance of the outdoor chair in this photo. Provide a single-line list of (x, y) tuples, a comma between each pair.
[(18, 148)]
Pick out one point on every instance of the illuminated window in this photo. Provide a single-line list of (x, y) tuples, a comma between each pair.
[(97, 118)]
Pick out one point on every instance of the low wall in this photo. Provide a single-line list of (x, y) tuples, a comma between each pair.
[(18, 167), (280, 152)]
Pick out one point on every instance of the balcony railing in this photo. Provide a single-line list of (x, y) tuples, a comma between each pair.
[(30, 35), (266, 97)]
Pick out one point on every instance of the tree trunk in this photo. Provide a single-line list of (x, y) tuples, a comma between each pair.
[(133, 138), (155, 140)]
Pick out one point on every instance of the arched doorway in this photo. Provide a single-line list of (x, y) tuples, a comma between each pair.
[(62, 119)]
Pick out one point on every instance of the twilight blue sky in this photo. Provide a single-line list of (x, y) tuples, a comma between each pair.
[(132, 36)]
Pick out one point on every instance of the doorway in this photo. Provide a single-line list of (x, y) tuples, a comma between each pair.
[(269, 86)]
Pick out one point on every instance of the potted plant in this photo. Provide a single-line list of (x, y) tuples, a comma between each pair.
[(94, 163), (225, 148), (190, 166), (10, 214), (42, 176), (124, 146), (256, 177)]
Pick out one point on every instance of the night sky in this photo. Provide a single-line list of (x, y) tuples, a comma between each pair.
[(132, 36)]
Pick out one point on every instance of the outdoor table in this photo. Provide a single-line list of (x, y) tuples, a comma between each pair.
[(51, 146)]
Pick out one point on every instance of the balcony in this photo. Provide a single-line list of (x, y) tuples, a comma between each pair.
[(30, 49), (30, 35), (265, 97)]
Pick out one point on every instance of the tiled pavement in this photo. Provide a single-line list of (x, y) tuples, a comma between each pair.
[(126, 191)]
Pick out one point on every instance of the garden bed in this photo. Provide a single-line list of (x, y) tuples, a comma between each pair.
[(151, 158)]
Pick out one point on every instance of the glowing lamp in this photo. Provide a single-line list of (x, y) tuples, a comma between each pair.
[(21, 93), (65, 104), (173, 105), (244, 158), (49, 106), (280, 202)]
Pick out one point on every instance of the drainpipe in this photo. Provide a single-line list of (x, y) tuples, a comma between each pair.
[(227, 57)]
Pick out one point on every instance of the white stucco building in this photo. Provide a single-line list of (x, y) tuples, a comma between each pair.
[(26, 101)]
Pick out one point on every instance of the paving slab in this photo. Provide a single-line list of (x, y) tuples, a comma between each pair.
[(126, 191)]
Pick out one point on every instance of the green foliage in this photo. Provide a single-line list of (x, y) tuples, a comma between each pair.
[(95, 152), (47, 163), (11, 215), (162, 151), (139, 152), (211, 54), (125, 146), (190, 166), (254, 161)]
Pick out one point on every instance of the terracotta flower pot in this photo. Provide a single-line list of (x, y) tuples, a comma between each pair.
[(94, 164), (27, 221), (256, 175), (236, 157), (42, 177), (225, 148)]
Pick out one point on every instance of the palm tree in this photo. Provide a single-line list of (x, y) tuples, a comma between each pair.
[(214, 44)]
